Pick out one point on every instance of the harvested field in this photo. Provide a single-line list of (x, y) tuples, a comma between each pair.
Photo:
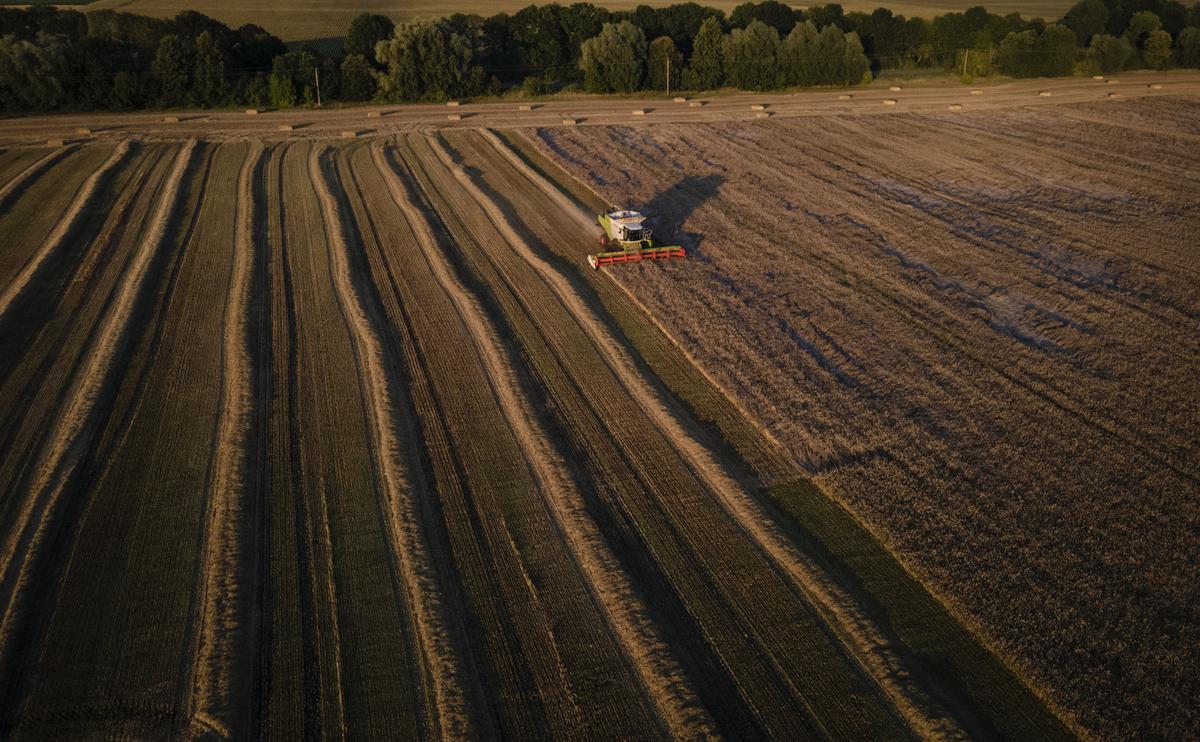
[(304, 436), (980, 333)]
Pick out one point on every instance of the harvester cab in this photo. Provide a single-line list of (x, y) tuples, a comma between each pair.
[(626, 239)]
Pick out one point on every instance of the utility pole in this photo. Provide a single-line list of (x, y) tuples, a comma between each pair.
[(317, 74), (668, 76), (966, 53)]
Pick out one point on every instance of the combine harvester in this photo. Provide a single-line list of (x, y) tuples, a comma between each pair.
[(623, 229)]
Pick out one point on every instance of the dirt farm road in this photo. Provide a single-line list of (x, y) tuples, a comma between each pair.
[(389, 119)]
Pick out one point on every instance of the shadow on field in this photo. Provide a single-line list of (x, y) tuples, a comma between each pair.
[(670, 208)]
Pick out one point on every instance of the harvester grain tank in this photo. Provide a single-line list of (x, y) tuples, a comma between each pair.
[(626, 239)]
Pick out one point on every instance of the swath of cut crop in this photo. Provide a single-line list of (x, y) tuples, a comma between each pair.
[(67, 439), (452, 708), (56, 239), (30, 172), (857, 634), (208, 705), (658, 671)]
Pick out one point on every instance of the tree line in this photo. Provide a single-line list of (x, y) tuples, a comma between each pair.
[(52, 59)]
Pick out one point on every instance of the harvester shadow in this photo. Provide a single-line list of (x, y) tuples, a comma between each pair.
[(668, 210)]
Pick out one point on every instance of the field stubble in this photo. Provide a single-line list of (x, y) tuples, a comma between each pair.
[(441, 481), (961, 325)]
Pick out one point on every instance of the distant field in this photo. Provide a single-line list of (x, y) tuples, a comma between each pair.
[(310, 19)]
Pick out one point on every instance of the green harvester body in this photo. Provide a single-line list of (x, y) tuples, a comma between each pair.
[(625, 240)]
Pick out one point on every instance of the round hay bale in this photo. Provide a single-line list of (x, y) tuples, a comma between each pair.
[(373, 114), (452, 103), (1044, 93), (524, 107), (251, 111), (83, 131), (894, 88), (286, 127), (955, 106), (680, 99), (976, 92), (568, 122), (1114, 95), (1155, 86), (1112, 82), (454, 117), (695, 103), (889, 102), (55, 142), (845, 96), (639, 112), (170, 119), (1097, 77), (349, 134), (758, 107), (763, 115)]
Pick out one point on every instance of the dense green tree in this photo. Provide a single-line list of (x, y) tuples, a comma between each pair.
[(827, 15), (1055, 51), (126, 93), (706, 68), (31, 75), (1140, 27), (1108, 54), (752, 57), (662, 53), (541, 41), (615, 60), (209, 86), (367, 30), (1086, 18), (826, 57), (682, 22), (252, 49), (580, 22), (255, 90), (533, 86), (1015, 55), (773, 13), (358, 78), (1188, 47), (281, 85), (173, 64), (427, 60), (798, 55), (134, 29), (1156, 52), (1032, 54), (29, 23)]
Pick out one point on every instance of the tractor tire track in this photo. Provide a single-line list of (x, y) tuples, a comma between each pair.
[(854, 630), (85, 196), (209, 705), (452, 707), (657, 670), (67, 441)]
